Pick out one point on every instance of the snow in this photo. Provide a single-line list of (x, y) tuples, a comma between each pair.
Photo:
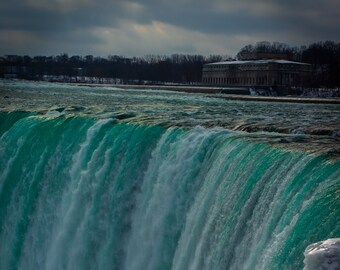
[(323, 255), (262, 61)]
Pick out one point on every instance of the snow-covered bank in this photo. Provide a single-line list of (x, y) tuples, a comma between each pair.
[(323, 255), (321, 92)]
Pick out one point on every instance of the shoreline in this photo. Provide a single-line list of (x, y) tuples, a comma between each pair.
[(217, 90), (288, 99)]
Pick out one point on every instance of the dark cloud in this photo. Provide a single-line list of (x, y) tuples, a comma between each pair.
[(50, 20), (84, 25)]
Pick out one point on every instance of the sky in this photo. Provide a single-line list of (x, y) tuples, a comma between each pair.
[(161, 27)]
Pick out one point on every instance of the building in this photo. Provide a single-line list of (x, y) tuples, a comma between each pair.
[(274, 73)]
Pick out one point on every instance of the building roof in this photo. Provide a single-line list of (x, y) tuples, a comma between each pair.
[(265, 61)]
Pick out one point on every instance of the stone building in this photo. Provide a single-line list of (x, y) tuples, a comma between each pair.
[(275, 73)]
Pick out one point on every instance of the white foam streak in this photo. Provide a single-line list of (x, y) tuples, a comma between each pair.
[(202, 215), (162, 187), (70, 213), (270, 207), (4, 173)]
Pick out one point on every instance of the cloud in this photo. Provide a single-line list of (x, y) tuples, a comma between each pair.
[(15, 39), (161, 26), (58, 5), (133, 39)]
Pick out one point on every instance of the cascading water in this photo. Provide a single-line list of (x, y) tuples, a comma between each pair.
[(78, 192)]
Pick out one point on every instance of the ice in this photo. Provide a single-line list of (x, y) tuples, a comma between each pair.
[(323, 255)]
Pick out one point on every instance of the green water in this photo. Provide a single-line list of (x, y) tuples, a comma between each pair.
[(90, 189)]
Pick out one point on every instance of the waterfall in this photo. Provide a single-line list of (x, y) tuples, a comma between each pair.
[(85, 193)]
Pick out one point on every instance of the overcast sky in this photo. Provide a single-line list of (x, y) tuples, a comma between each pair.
[(137, 28)]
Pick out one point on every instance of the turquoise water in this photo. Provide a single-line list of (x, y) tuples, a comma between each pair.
[(85, 187)]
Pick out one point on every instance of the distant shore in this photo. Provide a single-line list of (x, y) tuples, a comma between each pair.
[(289, 99), (216, 93)]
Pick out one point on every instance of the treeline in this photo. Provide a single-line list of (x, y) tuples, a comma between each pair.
[(178, 68), (323, 56)]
